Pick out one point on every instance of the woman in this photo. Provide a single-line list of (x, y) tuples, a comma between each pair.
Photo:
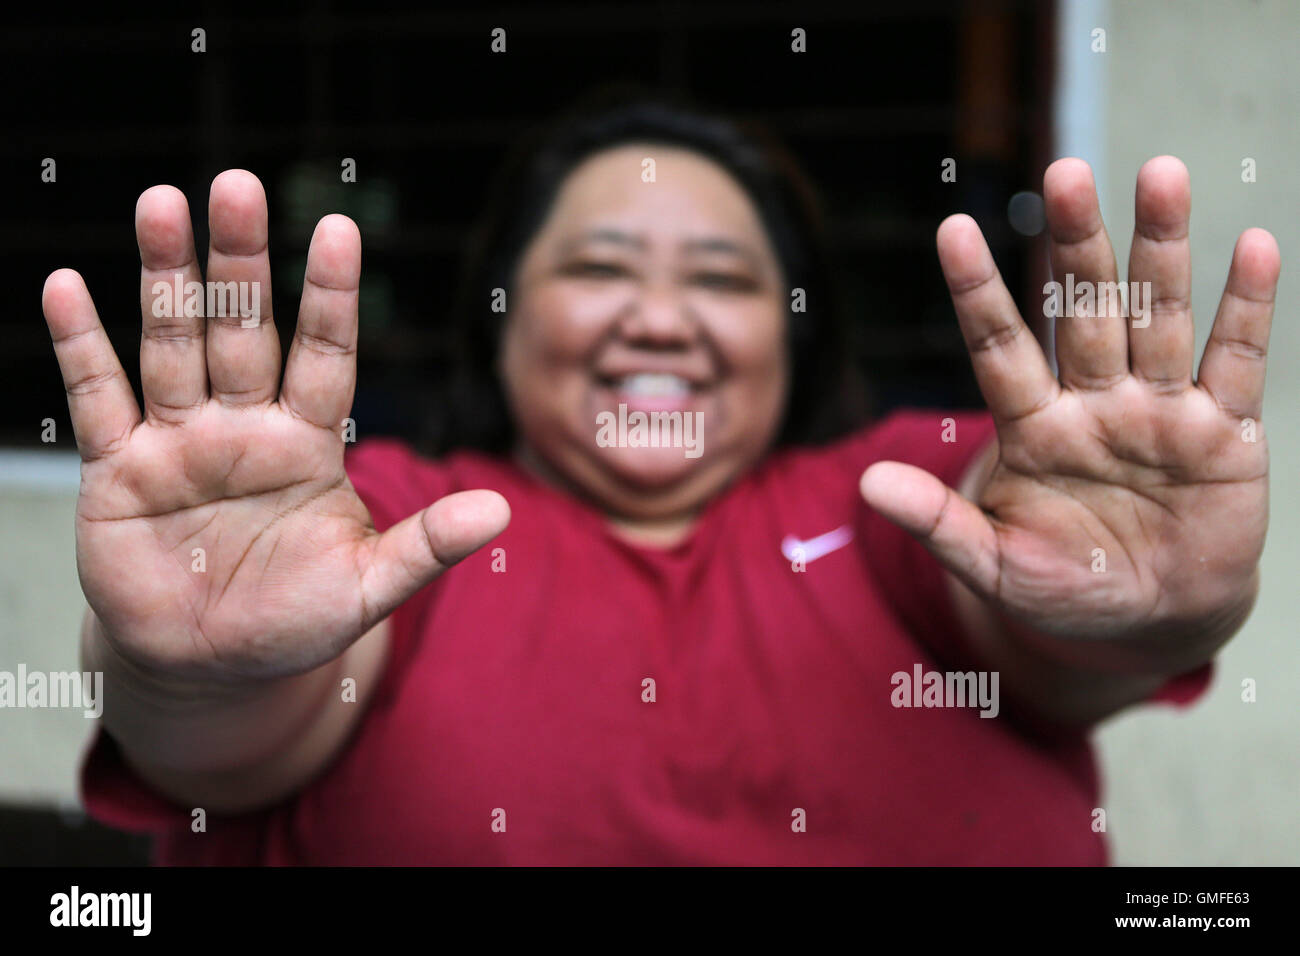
[(762, 653)]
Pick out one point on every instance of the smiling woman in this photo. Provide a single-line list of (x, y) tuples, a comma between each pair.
[(664, 658), (622, 289), (776, 246), (689, 293)]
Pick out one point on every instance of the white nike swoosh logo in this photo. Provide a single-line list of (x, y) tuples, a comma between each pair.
[(817, 547)]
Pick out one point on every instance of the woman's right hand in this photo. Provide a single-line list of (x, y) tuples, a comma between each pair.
[(229, 459)]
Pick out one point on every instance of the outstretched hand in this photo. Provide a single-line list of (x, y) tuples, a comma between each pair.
[(218, 537), (1128, 501)]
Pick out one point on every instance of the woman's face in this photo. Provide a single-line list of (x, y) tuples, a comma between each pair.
[(666, 298)]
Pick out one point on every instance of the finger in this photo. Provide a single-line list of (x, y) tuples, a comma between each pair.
[(322, 370), (954, 530), (1162, 342), (100, 399), (243, 351), (1091, 342), (416, 550), (173, 366), (1011, 369), (1232, 368)]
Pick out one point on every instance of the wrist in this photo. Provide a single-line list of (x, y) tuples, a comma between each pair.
[(1158, 650), (176, 725), (144, 685)]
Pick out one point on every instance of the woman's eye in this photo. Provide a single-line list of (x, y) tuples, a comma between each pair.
[(725, 281), (595, 270)]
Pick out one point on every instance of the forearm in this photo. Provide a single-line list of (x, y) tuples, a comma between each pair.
[(229, 749), (1039, 687)]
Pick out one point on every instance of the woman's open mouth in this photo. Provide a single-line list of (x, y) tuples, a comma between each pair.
[(651, 391)]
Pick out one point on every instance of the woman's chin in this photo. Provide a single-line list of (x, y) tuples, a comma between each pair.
[(650, 468)]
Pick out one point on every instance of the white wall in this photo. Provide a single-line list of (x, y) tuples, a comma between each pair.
[(1211, 83), (40, 616)]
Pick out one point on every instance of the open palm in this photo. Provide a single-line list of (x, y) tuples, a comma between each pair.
[(1128, 501), (217, 534)]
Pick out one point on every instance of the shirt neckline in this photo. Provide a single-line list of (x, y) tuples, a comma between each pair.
[(701, 534)]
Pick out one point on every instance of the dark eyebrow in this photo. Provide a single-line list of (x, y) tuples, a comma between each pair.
[(720, 244)]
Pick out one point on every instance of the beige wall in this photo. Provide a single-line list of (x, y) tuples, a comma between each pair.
[(40, 611), (1212, 83)]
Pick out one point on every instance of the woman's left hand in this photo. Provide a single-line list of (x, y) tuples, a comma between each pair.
[(1126, 505)]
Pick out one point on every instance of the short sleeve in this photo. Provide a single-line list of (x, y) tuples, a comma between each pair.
[(1186, 689), (114, 795)]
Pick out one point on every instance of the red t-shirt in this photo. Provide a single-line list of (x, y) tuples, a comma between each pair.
[(517, 696)]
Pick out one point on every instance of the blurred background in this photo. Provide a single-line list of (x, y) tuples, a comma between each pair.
[(884, 93)]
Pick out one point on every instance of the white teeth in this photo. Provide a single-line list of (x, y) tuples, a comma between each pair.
[(654, 385)]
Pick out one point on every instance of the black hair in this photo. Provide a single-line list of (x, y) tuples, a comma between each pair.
[(826, 395)]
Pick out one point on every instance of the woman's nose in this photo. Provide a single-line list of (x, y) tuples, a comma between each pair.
[(659, 316)]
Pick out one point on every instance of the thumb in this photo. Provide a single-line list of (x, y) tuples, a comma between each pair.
[(954, 530), (417, 549)]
